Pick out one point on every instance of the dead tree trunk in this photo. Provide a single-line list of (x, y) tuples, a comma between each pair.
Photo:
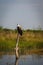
[(17, 48), (17, 51)]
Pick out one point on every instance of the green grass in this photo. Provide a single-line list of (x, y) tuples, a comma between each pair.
[(7, 45), (31, 44)]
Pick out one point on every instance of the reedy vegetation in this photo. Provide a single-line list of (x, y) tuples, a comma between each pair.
[(31, 39)]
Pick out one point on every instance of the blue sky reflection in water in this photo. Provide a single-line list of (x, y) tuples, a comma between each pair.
[(28, 13), (23, 60)]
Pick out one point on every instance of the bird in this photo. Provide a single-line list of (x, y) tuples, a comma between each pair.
[(19, 29)]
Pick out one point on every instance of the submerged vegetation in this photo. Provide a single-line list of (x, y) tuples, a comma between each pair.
[(31, 39)]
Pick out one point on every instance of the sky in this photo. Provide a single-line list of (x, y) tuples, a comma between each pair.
[(27, 13)]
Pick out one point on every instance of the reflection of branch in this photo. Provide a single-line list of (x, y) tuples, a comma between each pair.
[(16, 61)]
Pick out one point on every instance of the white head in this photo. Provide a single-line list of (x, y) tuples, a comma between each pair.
[(18, 25)]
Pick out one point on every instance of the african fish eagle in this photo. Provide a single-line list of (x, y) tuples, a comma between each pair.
[(19, 29)]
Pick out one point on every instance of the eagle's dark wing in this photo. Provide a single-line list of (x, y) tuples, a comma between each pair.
[(19, 30)]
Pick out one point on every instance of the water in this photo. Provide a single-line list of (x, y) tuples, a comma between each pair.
[(33, 59)]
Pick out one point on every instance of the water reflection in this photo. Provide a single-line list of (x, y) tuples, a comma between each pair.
[(33, 59)]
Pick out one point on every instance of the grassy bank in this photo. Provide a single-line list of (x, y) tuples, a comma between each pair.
[(31, 39)]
